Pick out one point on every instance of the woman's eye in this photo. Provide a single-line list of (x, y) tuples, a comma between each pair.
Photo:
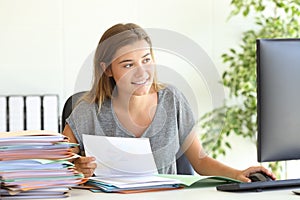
[(146, 60), (128, 65)]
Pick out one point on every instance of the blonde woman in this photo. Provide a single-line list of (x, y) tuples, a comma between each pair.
[(127, 101)]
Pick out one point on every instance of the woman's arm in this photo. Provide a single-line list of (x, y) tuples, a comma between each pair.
[(205, 165), (69, 133), (86, 165)]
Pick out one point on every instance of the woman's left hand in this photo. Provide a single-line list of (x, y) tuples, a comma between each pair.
[(244, 174)]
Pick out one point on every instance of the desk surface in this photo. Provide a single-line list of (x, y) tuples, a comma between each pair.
[(199, 193)]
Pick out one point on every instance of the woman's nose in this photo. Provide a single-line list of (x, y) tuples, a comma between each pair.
[(139, 70)]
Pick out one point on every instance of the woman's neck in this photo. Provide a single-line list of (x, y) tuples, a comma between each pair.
[(135, 103), (135, 113)]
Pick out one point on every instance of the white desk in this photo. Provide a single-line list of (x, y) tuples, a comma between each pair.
[(209, 193)]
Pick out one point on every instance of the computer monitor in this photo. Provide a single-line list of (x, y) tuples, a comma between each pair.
[(278, 109), (278, 99)]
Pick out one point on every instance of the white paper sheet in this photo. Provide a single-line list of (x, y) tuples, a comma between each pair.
[(137, 181), (117, 156)]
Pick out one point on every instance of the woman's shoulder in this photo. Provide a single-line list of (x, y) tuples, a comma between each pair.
[(87, 107), (171, 90), (84, 106)]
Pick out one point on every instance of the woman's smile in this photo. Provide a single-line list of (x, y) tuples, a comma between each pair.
[(141, 82)]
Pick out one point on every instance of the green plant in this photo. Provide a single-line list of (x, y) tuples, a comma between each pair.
[(273, 19)]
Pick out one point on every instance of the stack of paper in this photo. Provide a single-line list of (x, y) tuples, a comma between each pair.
[(125, 165), (34, 164)]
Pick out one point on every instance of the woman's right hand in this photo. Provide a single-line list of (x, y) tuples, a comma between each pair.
[(86, 165)]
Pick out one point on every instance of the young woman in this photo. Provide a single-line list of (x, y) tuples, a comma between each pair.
[(126, 100)]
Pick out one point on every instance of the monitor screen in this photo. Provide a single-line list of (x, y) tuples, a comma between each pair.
[(278, 99)]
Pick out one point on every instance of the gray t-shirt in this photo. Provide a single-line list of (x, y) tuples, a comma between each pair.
[(172, 123)]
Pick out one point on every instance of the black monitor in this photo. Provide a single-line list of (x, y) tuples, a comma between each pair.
[(278, 99), (278, 109)]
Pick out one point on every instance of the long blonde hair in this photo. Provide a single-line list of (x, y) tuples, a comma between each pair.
[(113, 39)]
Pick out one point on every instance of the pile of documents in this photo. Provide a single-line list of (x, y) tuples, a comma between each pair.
[(133, 184), (124, 165), (35, 164)]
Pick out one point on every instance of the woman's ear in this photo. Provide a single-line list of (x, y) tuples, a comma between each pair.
[(106, 69)]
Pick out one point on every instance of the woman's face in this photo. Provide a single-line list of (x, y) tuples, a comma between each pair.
[(133, 69)]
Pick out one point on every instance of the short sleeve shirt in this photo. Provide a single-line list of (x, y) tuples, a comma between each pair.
[(172, 123)]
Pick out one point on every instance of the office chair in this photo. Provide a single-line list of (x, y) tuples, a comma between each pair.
[(182, 163)]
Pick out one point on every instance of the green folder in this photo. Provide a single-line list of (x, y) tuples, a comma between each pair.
[(196, 181)]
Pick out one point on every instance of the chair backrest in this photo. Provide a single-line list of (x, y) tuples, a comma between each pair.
[(182, 163), (68, 107)]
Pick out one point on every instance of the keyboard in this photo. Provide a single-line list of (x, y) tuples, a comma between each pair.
[(259, 185)]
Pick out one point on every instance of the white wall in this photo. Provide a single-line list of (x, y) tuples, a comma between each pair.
[(45, 45)]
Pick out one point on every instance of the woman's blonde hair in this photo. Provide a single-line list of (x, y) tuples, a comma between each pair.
[(113, 39)]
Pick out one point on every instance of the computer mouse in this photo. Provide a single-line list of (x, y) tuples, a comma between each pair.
[(259, 176)]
